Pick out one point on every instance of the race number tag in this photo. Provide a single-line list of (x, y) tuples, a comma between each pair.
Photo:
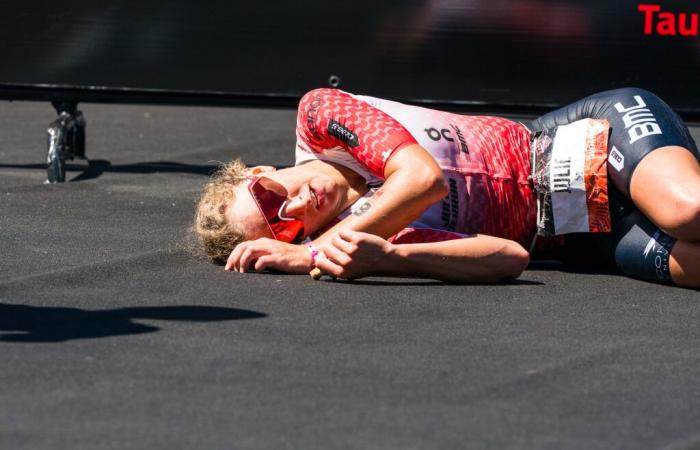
[(570, 177)]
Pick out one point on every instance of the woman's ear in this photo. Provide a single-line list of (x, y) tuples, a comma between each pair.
[(256, 170)]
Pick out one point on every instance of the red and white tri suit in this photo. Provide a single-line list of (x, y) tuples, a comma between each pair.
[(485, 160)]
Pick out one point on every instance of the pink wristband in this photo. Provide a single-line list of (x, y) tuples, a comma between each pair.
[(313, 251)]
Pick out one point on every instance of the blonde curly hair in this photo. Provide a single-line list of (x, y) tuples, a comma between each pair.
[(216, 237)]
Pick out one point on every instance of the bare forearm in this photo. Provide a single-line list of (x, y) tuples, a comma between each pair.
[(405, 195), (479, 258)]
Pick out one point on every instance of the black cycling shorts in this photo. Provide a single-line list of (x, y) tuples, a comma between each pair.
[(640, 123)]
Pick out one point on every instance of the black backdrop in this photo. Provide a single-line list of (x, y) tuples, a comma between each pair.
[(507, 53)]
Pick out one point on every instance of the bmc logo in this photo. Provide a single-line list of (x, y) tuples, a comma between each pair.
[(638, 119), (665, 23)]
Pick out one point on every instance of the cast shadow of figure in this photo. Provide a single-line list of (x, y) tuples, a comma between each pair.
[(584, 267), (409, 282), (22, 323), (96, 167)]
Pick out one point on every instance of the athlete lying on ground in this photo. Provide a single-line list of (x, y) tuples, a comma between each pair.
[(385, 188)]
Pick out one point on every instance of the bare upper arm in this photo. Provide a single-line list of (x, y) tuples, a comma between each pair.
[(421, 167)]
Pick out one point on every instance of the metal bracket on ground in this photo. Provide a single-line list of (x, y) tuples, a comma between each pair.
[(66, 140)]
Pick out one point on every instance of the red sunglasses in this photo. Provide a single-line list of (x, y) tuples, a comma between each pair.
[(271, 198)]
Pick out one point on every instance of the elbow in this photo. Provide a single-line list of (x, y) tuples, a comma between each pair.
[(433, 185), (439, 187), (417, 172), (515, 262)]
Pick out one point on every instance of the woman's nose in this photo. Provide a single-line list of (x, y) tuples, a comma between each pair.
[(295, 207)]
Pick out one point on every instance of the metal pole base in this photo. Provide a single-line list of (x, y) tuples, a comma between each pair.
[(66, 140)]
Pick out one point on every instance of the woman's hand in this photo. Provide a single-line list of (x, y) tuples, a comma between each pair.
[(266, 253), (352, 254)]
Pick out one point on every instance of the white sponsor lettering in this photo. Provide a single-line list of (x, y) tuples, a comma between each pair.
[(616, 159), (638, 119), (643, 130), (640, 104), (650, 247), (660, 255), (561, 175)]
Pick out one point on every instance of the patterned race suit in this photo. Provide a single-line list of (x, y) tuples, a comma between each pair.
[(485, 160)]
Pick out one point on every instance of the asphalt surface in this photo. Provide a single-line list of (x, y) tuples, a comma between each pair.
[(112, 337)]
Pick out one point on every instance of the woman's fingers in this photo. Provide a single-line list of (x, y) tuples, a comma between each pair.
[(246, 258), (329, 267), (335, 254), (235, 256), (264, 262), (343, 244), (349, 235), (243, 255)]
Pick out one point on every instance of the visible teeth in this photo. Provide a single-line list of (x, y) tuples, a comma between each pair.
[(313, 194)]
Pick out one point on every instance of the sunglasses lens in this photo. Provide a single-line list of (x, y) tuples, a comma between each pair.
[(270, 196), (287, 230)]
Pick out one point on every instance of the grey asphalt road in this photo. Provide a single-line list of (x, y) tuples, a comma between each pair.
[(112, 337)]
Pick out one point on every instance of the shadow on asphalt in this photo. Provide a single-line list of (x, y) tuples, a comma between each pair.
[(404, 282), (96, 167), (586, 267), (20, 323)]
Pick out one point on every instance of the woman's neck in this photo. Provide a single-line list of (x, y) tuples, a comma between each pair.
[(352, 185)]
